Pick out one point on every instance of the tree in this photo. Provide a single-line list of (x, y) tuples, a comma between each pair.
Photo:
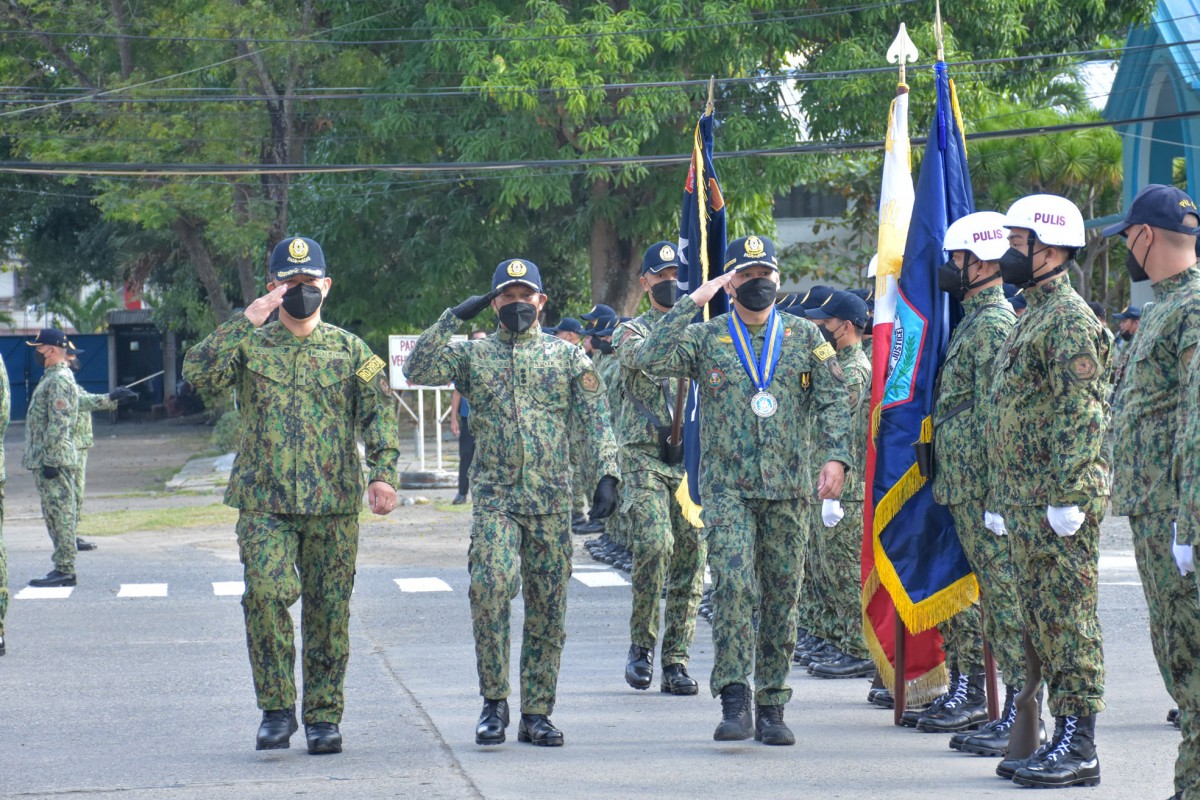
[(85, 314)]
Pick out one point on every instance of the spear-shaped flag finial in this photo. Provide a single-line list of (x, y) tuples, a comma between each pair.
[(902, 51)]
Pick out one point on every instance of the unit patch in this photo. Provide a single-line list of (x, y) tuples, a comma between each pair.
[(370, 369)]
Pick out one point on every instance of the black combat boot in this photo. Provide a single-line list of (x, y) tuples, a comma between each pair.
[(880, 697), (803, 644), (820, 649), (54, 578), (965, 710), (1008, 767), (1071, 759), (639, 667), (538, 729), (910, 716), (769, 727), (844, 667), (737, 723), (492, 722), (276, 729), (827, 656), (323, 737), (675, 680), (992, 738)]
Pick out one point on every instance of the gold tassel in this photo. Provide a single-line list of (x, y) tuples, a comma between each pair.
[(691, 511)]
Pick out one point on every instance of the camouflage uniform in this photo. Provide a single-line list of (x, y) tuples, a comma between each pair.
[(1144, 433), (5, 410), (666, 548), (755, 482), (49, 425), (961, 482), (298, 483), (617, 527), (527, 391), (1046, 434), (88, 402), (838, 568)]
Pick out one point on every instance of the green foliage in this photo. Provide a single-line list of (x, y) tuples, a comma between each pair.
[(87, 314), (227, 432), (488, 81)]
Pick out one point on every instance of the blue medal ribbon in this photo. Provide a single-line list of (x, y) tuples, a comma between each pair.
[(761, 368)]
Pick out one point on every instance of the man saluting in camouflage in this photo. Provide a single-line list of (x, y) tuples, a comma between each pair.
[(526, 390), (304, 388), (764, 375)]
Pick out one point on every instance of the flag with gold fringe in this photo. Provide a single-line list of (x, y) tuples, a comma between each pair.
[(910, 546), (701, 250)]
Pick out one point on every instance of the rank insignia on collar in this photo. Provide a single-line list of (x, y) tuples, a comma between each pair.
[(370, 369)]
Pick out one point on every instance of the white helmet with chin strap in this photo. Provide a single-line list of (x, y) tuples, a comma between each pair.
[(1054, 220), (981, 233)]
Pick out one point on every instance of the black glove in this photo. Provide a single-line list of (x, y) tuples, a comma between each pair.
[(604, 501), (50, 473), (122, 393), (470, 308)]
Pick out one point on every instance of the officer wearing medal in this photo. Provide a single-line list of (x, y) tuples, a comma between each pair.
[(667, 550), (527, 391), (306, 391), (756, 489)]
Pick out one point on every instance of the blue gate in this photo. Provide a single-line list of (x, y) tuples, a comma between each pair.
[(24, 373)]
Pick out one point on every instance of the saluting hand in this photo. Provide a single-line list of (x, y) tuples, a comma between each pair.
[(829, 484), (381, 497), (258, 311), (708, 290)]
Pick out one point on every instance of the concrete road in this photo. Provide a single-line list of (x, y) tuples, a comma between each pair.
[(136, 685)]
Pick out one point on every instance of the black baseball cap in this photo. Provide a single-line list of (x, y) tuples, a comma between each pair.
[(297, 255), (658, 257), (517, 270), (842, 305), (51, 336), (750, 251), (1159, 206)]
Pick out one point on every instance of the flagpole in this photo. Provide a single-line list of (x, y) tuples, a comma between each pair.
[(901, 52)]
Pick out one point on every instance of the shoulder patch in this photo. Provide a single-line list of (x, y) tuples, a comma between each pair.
[(383, 385), (1083, 367), (61, 404), (836, 369), (370, 369), (590, 381), (825, 352)]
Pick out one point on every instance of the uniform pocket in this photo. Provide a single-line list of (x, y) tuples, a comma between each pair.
[(548, 388), (269, 365)]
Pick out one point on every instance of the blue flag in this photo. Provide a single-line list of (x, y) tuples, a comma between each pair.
[(701, 252), (918, 557)]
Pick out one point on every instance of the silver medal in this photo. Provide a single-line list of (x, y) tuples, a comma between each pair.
[(764, 404)]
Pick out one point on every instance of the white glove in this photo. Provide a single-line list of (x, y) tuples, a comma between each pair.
[(995, 523), (831, 512), (1184, 553), (1065, 520)]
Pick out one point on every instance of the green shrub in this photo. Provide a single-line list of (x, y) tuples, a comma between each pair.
[(227, 432)]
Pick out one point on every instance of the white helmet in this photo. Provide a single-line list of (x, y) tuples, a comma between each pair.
[(1054, 220), (982, 233)]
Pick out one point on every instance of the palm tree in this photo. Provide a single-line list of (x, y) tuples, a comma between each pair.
[(86, 315)]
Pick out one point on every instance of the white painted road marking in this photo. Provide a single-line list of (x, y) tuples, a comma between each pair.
[(596, 580), (229, 588), (44, 593), (143, 590), (423, 585)]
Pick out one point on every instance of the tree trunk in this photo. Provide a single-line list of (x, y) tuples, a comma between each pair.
[(124, 51), (191, 237), (615, 264)]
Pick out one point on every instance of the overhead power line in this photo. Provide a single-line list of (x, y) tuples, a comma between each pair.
[(188, 170)]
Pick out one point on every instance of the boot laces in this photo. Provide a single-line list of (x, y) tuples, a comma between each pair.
[(771, 715), (1064, 743), (732, 704), (960, 693)]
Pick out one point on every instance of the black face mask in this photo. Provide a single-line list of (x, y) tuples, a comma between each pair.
[(1017, 267), (664, 293), (828, 334), (953, 281), (757, 294), (1126, 335), (1135, 270), (601, 346), (518, 317), (40, 358), (302, 301)]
